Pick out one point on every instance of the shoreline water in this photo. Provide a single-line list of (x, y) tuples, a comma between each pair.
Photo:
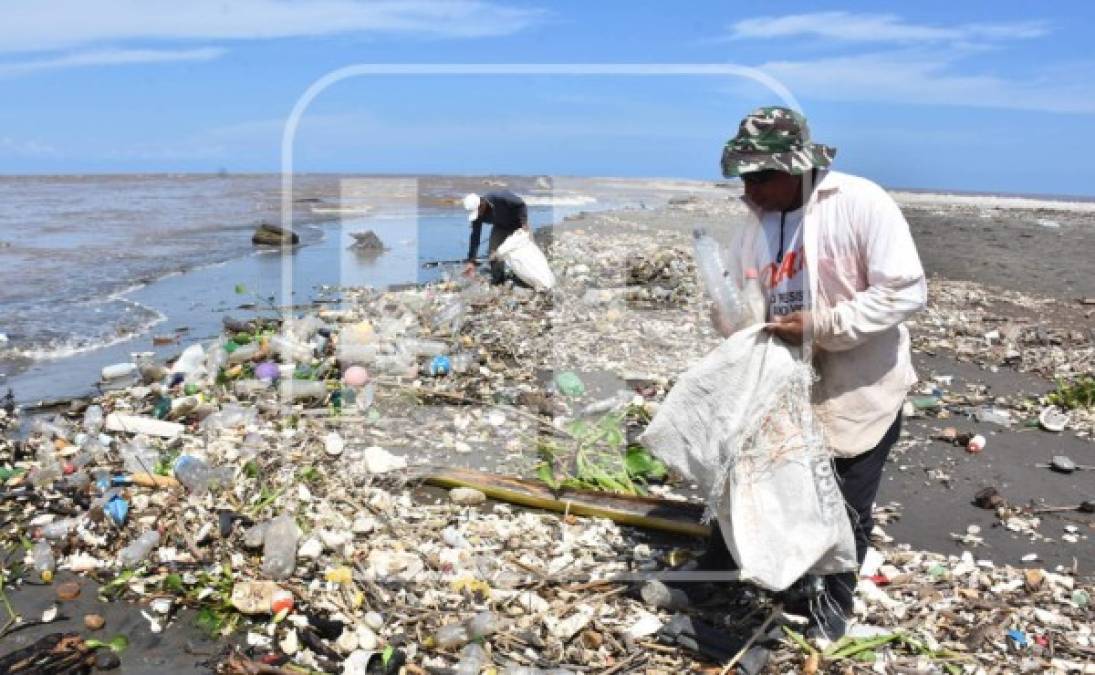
[(432, 227)]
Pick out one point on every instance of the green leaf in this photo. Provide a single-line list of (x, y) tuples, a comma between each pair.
[(210, 621), (387, 654), (545, 473), (173, 583), (240, 289), (251, 469), (642, 464), (117, 644)]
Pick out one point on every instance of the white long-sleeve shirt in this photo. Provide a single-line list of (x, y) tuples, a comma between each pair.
[(864, 278)]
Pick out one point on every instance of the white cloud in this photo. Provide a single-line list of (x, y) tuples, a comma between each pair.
[(15, 147), (928, 78), (52, 25), (849, 27), (109, 57)]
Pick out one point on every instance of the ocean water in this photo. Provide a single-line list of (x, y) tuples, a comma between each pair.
[(93, 267)]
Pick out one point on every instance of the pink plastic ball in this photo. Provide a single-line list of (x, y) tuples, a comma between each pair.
[(355, 376)]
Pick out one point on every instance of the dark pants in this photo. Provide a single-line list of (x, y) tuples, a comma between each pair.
[(859, 478), (497, 267)]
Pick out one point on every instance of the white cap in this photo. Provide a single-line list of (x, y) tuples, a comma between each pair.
[(471, 203)]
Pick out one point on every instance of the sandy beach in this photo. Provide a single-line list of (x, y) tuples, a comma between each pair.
[(1020, 268)]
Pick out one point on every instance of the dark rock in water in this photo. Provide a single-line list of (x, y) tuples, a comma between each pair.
[(272, 235), (234, 325), (367, 241)]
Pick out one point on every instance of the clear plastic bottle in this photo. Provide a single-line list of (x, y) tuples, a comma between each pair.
[(244, 353), (279, 550), (193, 473), (58, 529), (720, 287), (42, 559), (139, 549), (118, 371), (291, 350), (755, 305), (93, 419), (191, 363), (296, 390)]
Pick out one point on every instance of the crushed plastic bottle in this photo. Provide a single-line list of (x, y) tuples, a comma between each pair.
[(42, 559), (419, 347), (617, 400), (279, 551), (198, 477), (451, 316), (712, 270), (472, 659), (451, 636), (139, 549), (138, 457), (462, 362), (482, 625)]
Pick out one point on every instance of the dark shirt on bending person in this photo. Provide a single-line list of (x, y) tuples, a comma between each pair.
[(507, 213)]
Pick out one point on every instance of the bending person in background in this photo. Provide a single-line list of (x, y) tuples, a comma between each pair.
[(506, 212), (839, 267)]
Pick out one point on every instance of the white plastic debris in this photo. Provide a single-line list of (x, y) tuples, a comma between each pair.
[(378, 460)]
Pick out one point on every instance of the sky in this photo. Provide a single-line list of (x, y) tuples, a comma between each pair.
[(981, 96)]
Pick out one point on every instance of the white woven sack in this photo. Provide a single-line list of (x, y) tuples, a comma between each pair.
[(526, 260), (739, 424)]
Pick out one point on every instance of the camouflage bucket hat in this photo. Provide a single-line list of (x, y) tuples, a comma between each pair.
[(774, 138)]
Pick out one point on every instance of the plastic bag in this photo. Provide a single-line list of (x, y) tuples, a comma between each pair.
[(740, 425), (527, 261)]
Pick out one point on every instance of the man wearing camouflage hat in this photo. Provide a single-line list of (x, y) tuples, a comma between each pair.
[(840, 272)]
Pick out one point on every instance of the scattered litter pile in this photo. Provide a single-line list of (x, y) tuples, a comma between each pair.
[(266, 481), (1006, 329)]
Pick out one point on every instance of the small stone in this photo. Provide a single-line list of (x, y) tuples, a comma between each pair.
[(70, 590), (347, 642), (467, 496), (333, 444), (94, 621), (1034, 579), (106, 659), (591, 639), (374, 621), (310, 549), (366, 638)]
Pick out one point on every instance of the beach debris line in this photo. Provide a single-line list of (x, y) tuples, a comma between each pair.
[(382, 569)]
